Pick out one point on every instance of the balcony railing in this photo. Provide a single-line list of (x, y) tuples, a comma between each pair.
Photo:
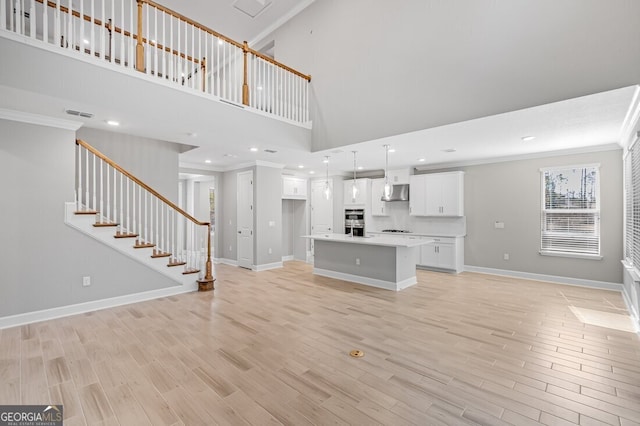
[(147, 37)]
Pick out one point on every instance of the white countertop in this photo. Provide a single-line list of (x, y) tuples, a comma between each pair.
[(372, 240), (418, 234)]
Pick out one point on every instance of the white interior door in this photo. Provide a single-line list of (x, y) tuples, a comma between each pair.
[(245, 219), (321, 208)]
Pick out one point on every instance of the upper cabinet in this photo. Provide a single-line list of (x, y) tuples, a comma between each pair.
[(361, 195), (398, 177), (437, 194), (378, 207), (294, 188)]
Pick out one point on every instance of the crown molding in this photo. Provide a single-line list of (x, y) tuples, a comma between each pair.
[(40, 120)]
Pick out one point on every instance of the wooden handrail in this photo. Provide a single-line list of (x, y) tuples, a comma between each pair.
[(242, 46), (139, 182)]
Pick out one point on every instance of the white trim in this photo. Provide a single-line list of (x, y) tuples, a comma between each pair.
[(387, 285), (41, 120), (578, 282), (267, 266), (287, 258), (95, 305), (572, 255), (230, 262), (570, 166), (546, 154)]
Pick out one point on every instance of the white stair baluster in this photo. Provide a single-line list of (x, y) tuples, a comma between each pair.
[(155, 41), (86, 184), (101, 190), (128, 208), (92, 31), (134, 225), (132, 30), (3, 14), (108, 191), (45, 21), (146, 217), (172, 74), (103, 32), (81, 25), (164, 46), (112, 33), (122, 223), (79, 191), (93, 173), (69, 35), (217, 66), (56, 24), (158, 241)]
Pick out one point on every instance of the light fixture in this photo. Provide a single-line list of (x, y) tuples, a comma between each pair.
[(301, 166), (207, 161), (354, 186), (254, 149), (327, 186), (527, 138), (422, 160), (392, 150), (112, 123), (386, 191), (311, 172)]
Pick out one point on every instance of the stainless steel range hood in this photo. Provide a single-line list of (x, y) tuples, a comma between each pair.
[(398, 193)]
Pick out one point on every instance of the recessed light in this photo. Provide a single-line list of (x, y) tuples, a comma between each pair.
[(527, 138), (360, 167), (325, 161), (300, 166), (392, 150), (112, 123), (253, 149), (207, 161), (311, 172), (422, 159)]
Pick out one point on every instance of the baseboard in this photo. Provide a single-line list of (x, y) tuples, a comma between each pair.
[(80, 308), (267, 266), (387, 285), (287, 258), (579, 282), (230, 262)]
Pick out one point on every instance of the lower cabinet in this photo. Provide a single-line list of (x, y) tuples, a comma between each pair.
[(443, 253)]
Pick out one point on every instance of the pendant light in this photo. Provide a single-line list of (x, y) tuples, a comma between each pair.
[(354, 187), (327, 186), (386, 191)]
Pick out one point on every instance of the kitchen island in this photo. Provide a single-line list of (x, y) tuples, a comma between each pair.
[(384, 262)]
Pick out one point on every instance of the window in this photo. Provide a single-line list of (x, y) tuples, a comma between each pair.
[(570, 224), (632, 205)]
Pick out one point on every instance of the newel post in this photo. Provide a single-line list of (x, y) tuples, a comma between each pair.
[(206, 283), (245, 84), (139, 45)]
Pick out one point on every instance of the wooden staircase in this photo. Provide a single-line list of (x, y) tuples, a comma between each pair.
[(125, 208)]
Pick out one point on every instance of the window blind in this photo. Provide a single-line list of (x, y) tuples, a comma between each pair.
[(570, 216)]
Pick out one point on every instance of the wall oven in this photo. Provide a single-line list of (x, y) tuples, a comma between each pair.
[(354, 222)]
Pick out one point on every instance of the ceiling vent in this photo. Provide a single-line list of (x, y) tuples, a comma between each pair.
[(252, 7), (79, 113), (270, 151)]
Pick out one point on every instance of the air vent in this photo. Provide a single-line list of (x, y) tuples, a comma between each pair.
[(252, 7), (270, 151), (79, 113)]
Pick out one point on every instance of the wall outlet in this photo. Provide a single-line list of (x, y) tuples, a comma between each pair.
[(86, 281), (499, 225), (357, 261), (505, 256)]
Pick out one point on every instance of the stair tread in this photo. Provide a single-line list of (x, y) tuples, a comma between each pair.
[(85, 212), (104, 224), (125, 235), (190, 271), (139, 244), (157, 254), (176, 263)]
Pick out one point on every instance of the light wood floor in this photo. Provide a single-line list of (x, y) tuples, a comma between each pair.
[(272, 348)]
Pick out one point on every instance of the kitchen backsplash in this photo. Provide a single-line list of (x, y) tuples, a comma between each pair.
[(399, 219)]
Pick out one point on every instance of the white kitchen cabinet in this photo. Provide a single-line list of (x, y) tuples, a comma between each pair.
[(399, 176), (363, 185), (417, 195), (294, 188), (444, 253), (378, 207), (437, 194)]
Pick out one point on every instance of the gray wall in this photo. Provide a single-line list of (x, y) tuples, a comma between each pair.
[(268, 208), (43, 260), (430, 63), (288, 209), (510, 192), (155, 162)]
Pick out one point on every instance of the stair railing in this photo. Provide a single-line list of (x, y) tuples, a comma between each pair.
[(145, 36), (121, 200)]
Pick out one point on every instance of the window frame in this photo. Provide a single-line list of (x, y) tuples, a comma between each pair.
[(596, 212)]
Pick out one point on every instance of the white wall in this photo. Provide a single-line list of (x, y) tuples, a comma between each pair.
[(42, 260), (153, 161)]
